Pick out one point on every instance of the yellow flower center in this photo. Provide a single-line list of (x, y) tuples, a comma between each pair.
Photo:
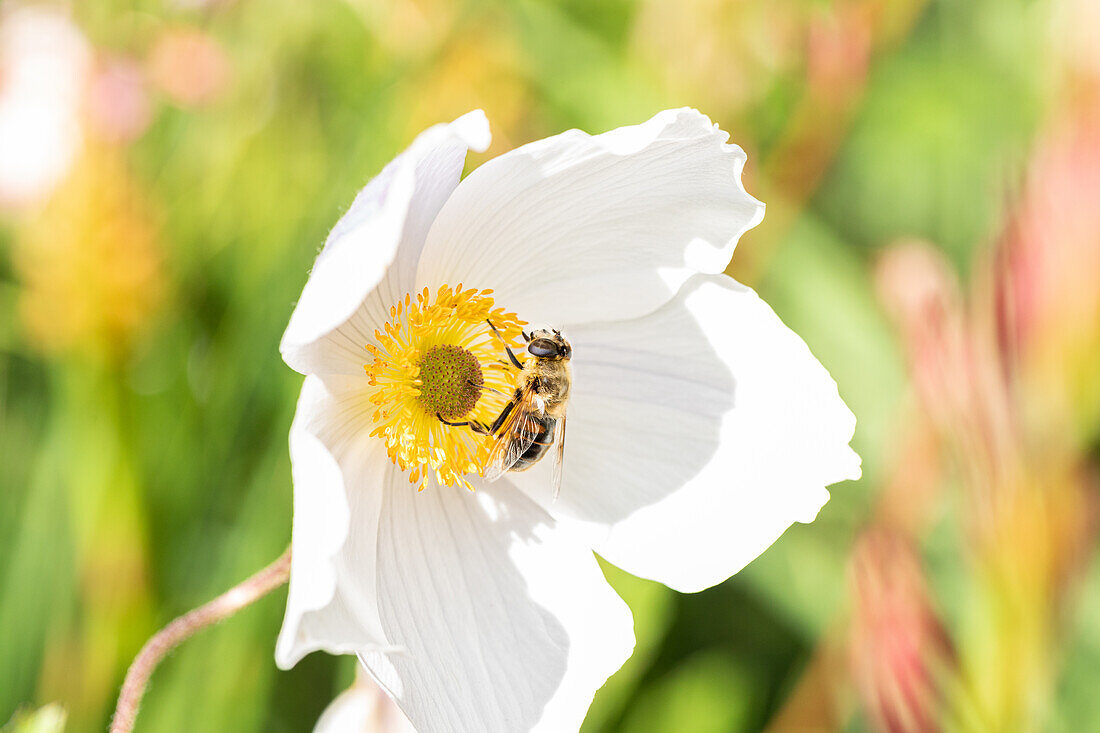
[(436, 358)]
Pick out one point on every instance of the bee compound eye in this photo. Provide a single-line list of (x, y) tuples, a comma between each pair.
[(542, 348)]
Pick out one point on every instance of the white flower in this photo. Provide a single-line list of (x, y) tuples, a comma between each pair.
[(699, 426), (362, 708)]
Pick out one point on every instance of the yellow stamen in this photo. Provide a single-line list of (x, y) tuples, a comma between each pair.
[(437, 357)]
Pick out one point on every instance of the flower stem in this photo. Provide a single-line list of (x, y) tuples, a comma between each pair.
[(168, 638)]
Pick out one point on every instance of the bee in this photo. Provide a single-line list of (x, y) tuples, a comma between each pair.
[(534, 419)]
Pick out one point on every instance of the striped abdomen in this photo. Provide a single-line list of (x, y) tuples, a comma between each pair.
[(542, 437)]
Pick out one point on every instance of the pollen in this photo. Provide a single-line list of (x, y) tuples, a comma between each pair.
[(437, 357)]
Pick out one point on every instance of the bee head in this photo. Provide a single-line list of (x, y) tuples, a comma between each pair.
[(546, 344)]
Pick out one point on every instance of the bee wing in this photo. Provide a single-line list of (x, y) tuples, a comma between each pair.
[(559, 439), (514, 437)]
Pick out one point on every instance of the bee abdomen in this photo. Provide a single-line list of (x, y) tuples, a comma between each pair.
[(542, 440)]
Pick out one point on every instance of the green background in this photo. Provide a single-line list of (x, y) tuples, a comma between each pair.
[(143, 452)]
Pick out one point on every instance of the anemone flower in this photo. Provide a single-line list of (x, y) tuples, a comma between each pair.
[(362, 708), (699, 426)]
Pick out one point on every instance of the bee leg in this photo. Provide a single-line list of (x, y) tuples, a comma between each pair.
[(485, 386), (526, 336), (499, 422), (472, 424), (511, 356)]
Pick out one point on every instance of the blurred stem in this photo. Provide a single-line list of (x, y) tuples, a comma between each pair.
[(172, 635)]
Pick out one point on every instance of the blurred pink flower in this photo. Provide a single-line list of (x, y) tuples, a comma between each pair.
[(189, 66), (118, 104), (1056, 238), (900, 652), (919, 289)]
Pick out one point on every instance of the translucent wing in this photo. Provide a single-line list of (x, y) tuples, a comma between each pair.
[(514, 437), (559, 455)]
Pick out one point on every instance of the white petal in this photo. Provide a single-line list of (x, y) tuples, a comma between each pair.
[(508, 623), (338, 472), (363, 708), (696, 436), (376, 245), (350, 712), (577, 227)]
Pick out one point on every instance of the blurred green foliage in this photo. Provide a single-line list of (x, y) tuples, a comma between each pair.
[(143, 444)]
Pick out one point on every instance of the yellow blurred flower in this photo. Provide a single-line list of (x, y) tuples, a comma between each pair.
[(476, 70), (89, 262), (408, 27), (720, 54)]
